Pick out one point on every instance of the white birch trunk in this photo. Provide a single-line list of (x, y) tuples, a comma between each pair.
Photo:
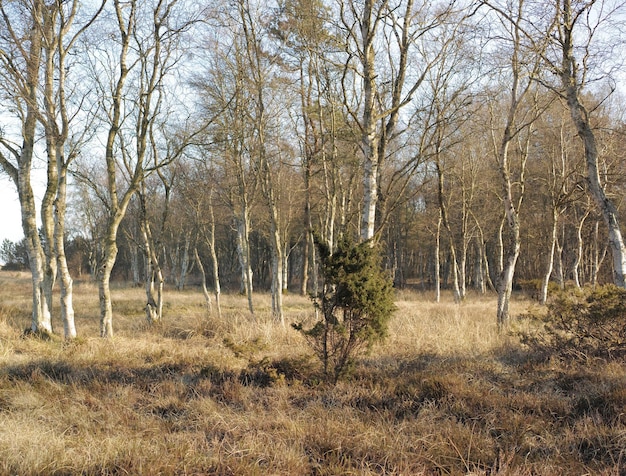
[(66, 282), (543, 297), (437, 263), (243, 252), (369, 137), (579, 249), (205, 291), (580, 117)]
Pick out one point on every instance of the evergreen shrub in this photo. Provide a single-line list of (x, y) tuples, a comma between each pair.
[(355, 303)]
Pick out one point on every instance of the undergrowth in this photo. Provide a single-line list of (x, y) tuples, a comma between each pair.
[(443, 395)]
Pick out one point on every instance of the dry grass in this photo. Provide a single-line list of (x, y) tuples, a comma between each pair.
[(444, 395)]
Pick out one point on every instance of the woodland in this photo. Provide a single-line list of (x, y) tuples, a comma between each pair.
[(332, 236), (171, 143)]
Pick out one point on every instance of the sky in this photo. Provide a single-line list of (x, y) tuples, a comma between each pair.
[(10, 221)]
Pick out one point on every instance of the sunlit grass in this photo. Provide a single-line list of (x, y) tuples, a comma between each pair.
[(241, 395)]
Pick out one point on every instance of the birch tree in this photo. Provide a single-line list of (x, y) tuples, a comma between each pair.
[(61, 35), (21, 57), (225, 96), (53, 34), (259, 64), (579, 27), (388, 60), (521, 109), (145, 54)]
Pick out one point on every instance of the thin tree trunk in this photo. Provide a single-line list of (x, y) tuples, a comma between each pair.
[(243, 252), (184, 263), (154, 297), (579, 249), (580, 117), (66, 282), (546, 277), (437, 264), (205, 291)]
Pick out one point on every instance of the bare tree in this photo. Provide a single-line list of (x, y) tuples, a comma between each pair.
[(21, 56), (521, 111), (579, 24), (146, 54), (386, 79)]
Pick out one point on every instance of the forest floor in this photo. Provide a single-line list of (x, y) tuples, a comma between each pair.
[(445, 394)]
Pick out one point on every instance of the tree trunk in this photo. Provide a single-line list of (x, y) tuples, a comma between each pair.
[(437, 264), (153, 272), (580, 117), (66, 282), (243, 252), (543, 297), (205, 291), (369, 137), (41, 319), (277, 275), (512, 248), (579, 249), (216, 269), (104, 289)]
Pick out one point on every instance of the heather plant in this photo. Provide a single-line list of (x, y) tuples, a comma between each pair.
[(580, 324), (356, 302)]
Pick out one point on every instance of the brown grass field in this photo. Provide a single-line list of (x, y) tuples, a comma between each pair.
[(445, 394)]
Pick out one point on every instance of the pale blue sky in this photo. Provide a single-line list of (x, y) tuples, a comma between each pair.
[(10, 222)]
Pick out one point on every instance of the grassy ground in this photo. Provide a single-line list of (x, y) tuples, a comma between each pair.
[(241, 396)]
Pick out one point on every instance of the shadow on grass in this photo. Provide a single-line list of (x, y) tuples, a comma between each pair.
[(493, 412)]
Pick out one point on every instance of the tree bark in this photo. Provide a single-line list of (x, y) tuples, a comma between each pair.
[(580, 117), (543, 297), (242, 225), (66, 282), (205, 291), (369, 136)]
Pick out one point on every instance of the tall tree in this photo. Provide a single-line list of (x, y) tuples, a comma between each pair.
[(388, 66), (60, 35), (579, 24), (521, 109), (21, 56), (146, 52)]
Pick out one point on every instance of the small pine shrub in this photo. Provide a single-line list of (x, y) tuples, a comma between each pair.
[(581, 324), (356, 303)]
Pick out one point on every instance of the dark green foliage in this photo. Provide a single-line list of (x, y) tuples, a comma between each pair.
[(356, 303), (581, 324), (14, 255)]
